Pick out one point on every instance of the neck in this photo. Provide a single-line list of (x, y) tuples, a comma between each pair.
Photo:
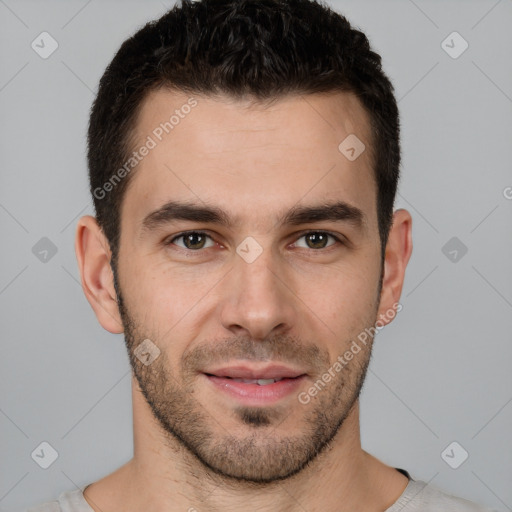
[(163, 476)]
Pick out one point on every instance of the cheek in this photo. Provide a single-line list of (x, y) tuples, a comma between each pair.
[(166, 299), (343, 308), (337, 297), (145, 294), (342, 299)]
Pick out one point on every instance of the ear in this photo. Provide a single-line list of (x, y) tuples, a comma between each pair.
[(93, 254), (398, 252)]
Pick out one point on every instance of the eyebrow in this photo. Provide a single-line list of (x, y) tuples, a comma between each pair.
[(338, 211)]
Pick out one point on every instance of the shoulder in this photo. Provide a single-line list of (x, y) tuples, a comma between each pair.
[(68, 501), (421, 497)]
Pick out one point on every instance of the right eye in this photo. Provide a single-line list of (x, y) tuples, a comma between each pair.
[(192, 240)]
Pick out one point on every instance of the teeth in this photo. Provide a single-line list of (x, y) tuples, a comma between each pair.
[(261, 382), (264, 382)]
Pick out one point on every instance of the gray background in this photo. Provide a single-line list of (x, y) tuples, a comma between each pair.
[(440, 372)]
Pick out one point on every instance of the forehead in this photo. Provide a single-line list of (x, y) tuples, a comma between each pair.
[(244, 156)]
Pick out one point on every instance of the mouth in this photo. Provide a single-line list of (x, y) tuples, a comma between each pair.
[(256, 386), (274, 372), (259, 382)]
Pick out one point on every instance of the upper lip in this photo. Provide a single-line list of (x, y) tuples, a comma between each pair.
[(274, 371)]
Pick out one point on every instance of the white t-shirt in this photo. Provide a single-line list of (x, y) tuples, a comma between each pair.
[(417, 497)]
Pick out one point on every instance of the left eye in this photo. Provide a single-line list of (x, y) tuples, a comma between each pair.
[(195, 240), (317, 239)]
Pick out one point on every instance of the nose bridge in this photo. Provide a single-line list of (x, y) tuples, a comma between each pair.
[(257, 300), (259, 274)]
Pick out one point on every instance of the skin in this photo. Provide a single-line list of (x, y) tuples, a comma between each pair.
[(296, 303)]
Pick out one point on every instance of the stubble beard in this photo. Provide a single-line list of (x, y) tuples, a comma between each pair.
[(264, 453)]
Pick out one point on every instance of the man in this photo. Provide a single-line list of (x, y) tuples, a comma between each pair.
[(244, 158)]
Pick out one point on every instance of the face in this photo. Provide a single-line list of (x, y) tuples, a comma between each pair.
[(247, 287)]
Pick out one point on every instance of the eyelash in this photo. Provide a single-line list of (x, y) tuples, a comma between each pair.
[(301, 235)]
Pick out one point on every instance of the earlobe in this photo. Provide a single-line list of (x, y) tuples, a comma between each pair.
[(93, 256), (398, 253)]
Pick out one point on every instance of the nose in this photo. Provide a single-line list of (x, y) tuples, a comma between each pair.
[(258, 298)]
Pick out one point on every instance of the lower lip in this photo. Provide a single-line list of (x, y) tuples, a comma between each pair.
[(254, 394)]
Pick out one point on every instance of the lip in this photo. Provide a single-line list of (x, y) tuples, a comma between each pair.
[(274, 371), (254, 394)]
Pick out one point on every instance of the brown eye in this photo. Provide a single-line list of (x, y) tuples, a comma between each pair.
[(318, 239), (193, 240)]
